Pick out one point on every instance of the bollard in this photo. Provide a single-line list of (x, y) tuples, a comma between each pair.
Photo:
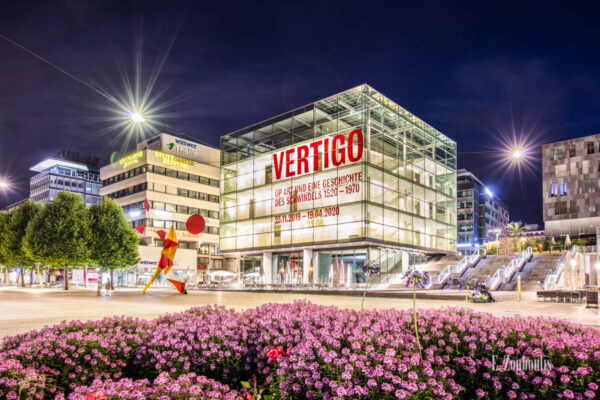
[(518, 287)]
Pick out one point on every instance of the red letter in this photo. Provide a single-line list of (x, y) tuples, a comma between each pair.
[(326, 153), (341, 152), (315, 154), (278, 165), (288, 163), (358, 133), (302, 161)]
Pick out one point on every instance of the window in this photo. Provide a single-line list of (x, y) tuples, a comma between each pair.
[(590, 147), (554, 190), (573, 207), (560, 207), (572, 150), (563, 189), (557, 153), (585, 167), (573, 168), (592, 208)]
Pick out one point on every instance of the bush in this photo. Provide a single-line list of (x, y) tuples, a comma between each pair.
[(302, 350)]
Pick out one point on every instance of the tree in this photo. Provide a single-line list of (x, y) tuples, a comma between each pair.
[(14, 236), (514, 229), (59, 234), (113, 243), (4, 218)]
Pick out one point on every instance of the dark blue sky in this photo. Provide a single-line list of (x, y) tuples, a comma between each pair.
[(475, 71)]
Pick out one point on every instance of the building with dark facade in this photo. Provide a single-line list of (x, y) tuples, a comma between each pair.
[(67, 171), (571, 179), (481, 215)]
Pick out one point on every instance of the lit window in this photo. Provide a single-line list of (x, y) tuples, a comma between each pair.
[(563, 189), (554, 190)]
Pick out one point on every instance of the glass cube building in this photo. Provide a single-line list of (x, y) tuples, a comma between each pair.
[(312, 195)]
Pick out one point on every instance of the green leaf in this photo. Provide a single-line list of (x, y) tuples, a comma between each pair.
[(246, 384)]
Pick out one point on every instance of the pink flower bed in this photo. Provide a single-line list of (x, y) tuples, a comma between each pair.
[(302, 350)]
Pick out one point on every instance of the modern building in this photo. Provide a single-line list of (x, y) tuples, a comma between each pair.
[(571, 173), (179, 178), (67, 171), (481, 215), (312, 195)]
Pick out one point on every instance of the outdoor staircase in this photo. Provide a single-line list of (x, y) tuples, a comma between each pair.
[(484, 268), (433, 266), (439, 280), (505, 273), (534, 273)]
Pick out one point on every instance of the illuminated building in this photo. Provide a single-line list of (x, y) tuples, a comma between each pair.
[(312, 195), (68, 171), (481, 215), (178, 178), (571, 182)]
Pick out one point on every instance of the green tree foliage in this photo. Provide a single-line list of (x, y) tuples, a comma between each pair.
[(113, 243), (4, 218), (514, 229), (59, 235), (14, 236)]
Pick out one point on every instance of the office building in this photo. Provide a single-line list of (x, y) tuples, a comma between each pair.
[(312, 195), (571, 173), (67, 171), (481, 215), (178, 177)]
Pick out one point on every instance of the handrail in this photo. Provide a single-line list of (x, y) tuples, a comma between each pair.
[(457, 268), (506, 272), (553, 277)]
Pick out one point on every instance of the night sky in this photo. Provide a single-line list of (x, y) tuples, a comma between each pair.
[(479, 72)]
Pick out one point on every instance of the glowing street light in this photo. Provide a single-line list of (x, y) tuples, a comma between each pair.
[(4, 185), (517, 154), (136, 117)]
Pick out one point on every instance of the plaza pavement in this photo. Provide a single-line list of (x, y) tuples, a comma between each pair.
[(27, 309)]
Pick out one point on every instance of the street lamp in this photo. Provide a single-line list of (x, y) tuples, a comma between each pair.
[(136, 117), (4, 185)]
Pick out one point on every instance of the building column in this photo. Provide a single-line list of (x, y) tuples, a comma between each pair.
[(306, 261), (267, 267)]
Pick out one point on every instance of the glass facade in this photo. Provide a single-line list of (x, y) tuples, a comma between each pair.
[(354, 168)]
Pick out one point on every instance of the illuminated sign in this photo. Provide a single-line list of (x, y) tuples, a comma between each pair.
[(330, 151), (175, 161), (131, 159), (184, 147)]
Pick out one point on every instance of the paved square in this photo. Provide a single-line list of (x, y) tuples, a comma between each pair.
[(27, 309)]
